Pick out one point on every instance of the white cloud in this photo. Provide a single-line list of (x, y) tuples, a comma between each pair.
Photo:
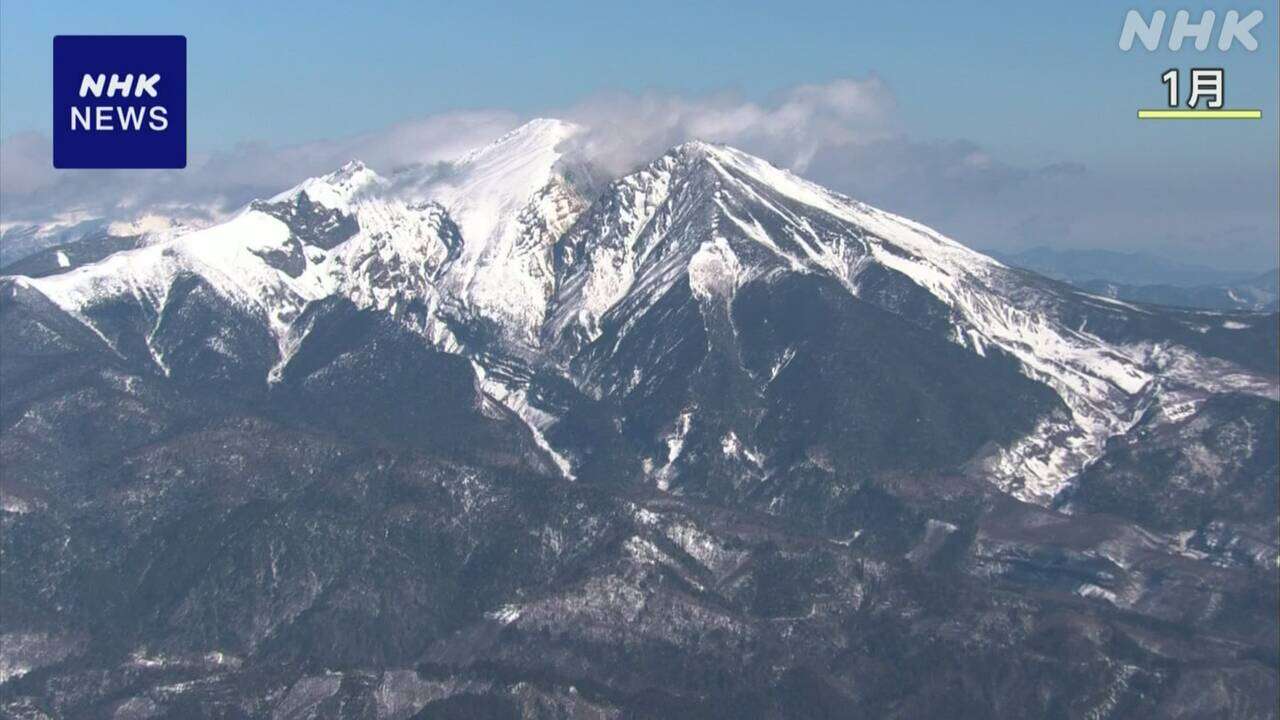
[(627, 130)]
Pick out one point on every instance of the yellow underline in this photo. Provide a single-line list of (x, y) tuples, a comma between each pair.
[(1199, 114)]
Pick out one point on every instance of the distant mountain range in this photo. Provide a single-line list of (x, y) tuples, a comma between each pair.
[(500, 440), (1141, 277), (1259, 293)]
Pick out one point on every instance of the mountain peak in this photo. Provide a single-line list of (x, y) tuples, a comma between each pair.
[(737, 166), (337, 189), (539, 136), (488, 187), (350, 168), (694, 147)]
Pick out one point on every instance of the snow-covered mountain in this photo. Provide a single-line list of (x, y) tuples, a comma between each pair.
[(500, 242), (702, 439), (501, 245)]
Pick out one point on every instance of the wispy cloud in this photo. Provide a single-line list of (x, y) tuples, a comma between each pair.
[(799, 123)]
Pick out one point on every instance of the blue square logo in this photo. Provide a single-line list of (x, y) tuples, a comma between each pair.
[(120, 101)]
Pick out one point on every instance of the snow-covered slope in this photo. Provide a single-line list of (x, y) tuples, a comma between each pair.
[(495, 214), (380, 243), (511, 206), (232, 257)]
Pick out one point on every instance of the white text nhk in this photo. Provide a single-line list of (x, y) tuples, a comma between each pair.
[(1234, 29), (113, 117)]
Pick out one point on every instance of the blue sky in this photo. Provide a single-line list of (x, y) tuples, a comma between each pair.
[(1030, 85)]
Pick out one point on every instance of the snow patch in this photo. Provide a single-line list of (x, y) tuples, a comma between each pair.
[(714, 270)]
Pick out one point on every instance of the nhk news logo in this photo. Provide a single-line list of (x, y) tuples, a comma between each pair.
[(119, 101)]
